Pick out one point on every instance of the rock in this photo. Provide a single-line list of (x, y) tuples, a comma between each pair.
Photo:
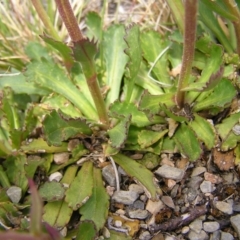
[(145, 236), (206, 187), (60, 158), (185, 230), (196, 225), (198, 171), (166, 171), (57, 176), (224, 207), (138, 213), (139, 204), (195, 182), (125, 197), (109, 175), (192, 194), (210, 226), (215, 235), (136, 188), (236, 207), (14, 193), (118, 223), (226, 236), (212, 178), (168, 201), (235, 220), (154, 207), (197, 236)]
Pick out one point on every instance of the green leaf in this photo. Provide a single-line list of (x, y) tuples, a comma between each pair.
[(230, 142), (58, 213), (118, 134), (138, 172), (116, 59), (147, 138), (96, 208), (41, 146), (94, 26), (227, 124), (52, 191), (187, 142), (52, 77), (36, 51), (57, 129), (133, 51), (15, 169), (86, 231), (118, 236), (19, 84), (139, 118), (62, 48), (152, 102), (81, 188), (153, 47), (4, 179), (204, 130), (222, 94)]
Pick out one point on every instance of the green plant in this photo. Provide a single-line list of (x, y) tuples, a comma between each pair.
[(114, 95)]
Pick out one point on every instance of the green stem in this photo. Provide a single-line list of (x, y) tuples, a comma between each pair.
[(233, 8), (190, 25), (45, 19), (177, 10)]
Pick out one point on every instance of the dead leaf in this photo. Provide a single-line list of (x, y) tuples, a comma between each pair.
[(224, 160)]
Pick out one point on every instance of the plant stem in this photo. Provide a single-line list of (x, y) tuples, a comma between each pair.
[(233, 8), (45, 19), (67, 15), (190, 25), (84, 52)]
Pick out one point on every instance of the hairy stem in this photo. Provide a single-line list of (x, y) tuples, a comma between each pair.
[(45, 19), (190, 25)]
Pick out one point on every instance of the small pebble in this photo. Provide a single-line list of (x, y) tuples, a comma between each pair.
[(154, 207), (226, 236), (206, 187), (14, 193), (224, 207), (145, 236), (118, 223), (210, 226), (168, 201), (138, 213), (136, 188), (185, 230), (138, 204), (198, 171), (125, 197), (166, 171), (212, 178), (196, 226), (109, 175), (235, 220), (57, 176), (215, 235), (198, 236), (60, 158)]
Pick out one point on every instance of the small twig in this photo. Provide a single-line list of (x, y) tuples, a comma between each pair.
[(185, 219), (116, 173)]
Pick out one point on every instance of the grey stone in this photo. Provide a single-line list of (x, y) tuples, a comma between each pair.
[(197, 171), (210, 226), (224, 207), (192, 194), (60, 158), (14, 193), (138, 213), (198, 236), (195, 182), (136, 188), (206, 187), (196, 226), (215, 235), (166, 171), (138, 204), (145, 236), (185, 230), (226, 236), (56, 176), (125, 197), (236, 207), (235, 221), (109, 175)]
